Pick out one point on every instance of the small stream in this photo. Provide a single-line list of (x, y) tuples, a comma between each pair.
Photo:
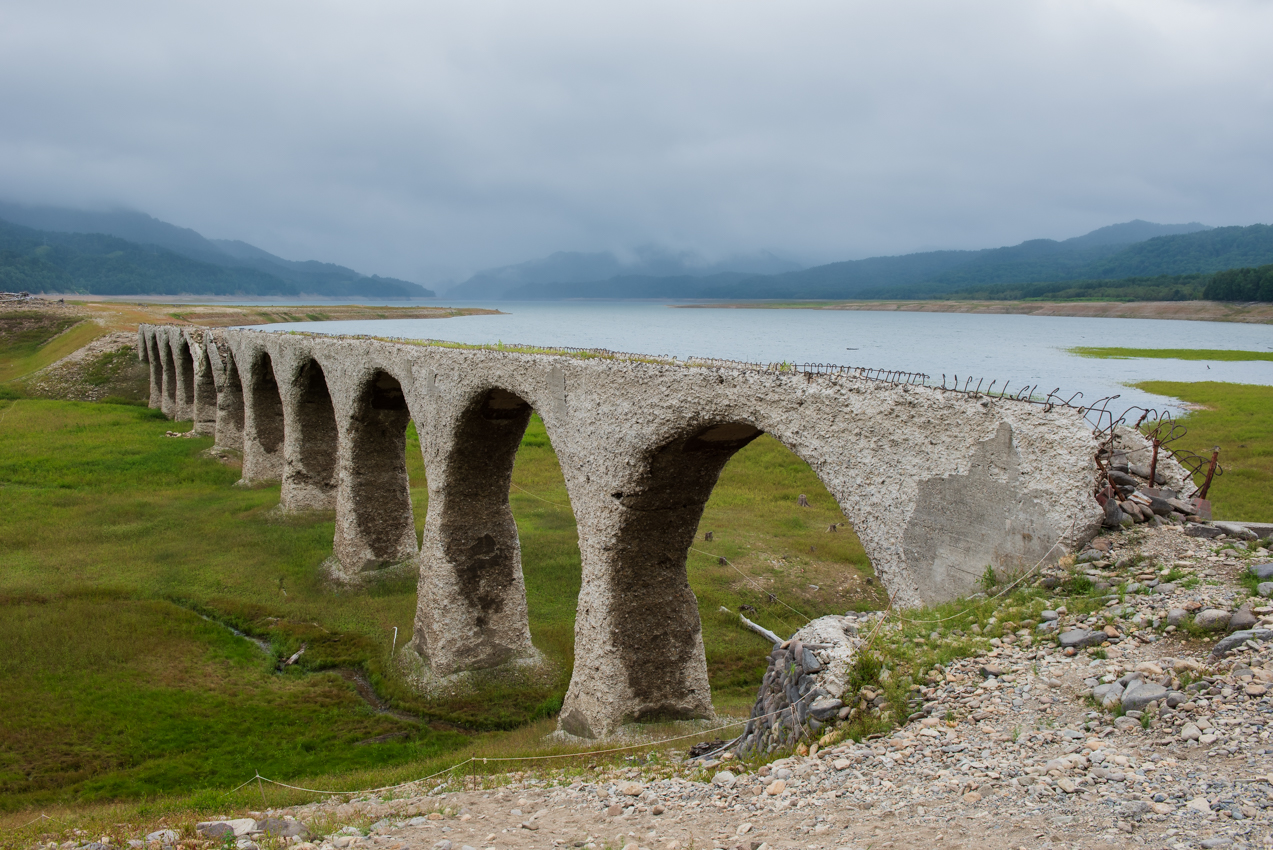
[(361, 684)]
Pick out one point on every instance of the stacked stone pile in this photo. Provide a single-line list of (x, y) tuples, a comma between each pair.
[(1132, 498), (800, 693)]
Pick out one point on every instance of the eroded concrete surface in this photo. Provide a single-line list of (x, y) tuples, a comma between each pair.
[(937, 484)]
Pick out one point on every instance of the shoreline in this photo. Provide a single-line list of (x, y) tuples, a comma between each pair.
[(1195, 311)]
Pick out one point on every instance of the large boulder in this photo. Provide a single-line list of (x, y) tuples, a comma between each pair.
[(1212, 619), (1079, 638), (1140, 694)]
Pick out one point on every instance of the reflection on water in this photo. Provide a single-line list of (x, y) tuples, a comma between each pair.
[(1019, 349)]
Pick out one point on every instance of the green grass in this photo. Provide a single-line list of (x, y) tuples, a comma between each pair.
[(114, 538), (31, 341), (1215, 354), (1239, 419)]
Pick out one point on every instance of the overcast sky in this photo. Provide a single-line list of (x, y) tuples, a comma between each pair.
[(425, 140)]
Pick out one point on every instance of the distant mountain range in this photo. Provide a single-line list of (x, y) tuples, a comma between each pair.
[(571, 269), (1135, 249), (50, 249)]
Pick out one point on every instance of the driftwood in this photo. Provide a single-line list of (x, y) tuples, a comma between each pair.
[(756, 627)]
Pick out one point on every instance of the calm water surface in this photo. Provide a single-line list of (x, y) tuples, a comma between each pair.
[(1019, 349)]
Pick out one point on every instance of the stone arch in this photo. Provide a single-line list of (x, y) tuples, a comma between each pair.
[(375, 524), (472, 611), (639, 644), (184, 368), (263, 423), (310, 443)]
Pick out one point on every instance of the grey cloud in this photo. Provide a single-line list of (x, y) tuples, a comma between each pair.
[(424, 140)]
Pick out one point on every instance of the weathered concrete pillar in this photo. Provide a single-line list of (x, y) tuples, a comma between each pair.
[(168, 399), (638, 639), (262, 423), (309, 444), (151, 346), (375, 526), (229, 428), (183, 362), (472, 596), (205, 391)]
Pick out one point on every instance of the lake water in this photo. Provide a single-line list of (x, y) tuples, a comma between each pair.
[(1022, 350)]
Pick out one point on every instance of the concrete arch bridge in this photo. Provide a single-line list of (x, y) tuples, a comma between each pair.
[(937, 484)]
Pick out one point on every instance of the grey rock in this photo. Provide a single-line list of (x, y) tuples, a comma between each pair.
[(1137, 697), (215, 831), (1212, 619), (1218, 841), (1204, 531), (1165, 588), (1175, 698), (1048, 616), (1107, 695), (1238, 638), (1234, 530), (1122, 479), (1088, 556), (1265, 588), (824, 707), (1261, 571), (810, 661), (1133, 587), (1079, 638), (1242, 619), (239, 826), (282, 828), (1142, 471), (1176, 616), (1048, 626)]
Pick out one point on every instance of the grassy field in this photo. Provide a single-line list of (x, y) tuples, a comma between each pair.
[(1239, 419), (1219, 354), (115, 539), (32, 340)]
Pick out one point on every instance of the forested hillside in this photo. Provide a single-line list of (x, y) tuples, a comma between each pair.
[(1133, 261), (60, 262)]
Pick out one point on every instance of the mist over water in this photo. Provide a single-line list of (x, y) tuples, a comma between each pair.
[(1021, 350)]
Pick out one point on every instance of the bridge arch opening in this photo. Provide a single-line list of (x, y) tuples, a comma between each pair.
[(230, 408), (156, 363), (263, 423), (169, 400), (473, 612), (309, 474), (376, 524), (205, 395), (660, 573), (185, 380)]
